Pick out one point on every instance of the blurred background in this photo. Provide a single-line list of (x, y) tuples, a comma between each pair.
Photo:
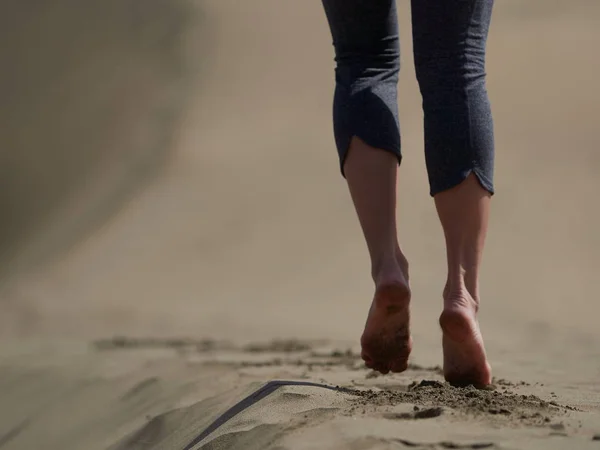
[(167, 168)]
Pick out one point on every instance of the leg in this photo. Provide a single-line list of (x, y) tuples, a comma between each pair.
[(365, 38), (449, 50), (463, 212)]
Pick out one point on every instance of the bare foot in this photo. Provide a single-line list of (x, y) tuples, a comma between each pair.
[(465, 361), (386, 341)]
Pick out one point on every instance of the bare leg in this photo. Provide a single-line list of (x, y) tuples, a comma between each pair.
[(464, 212), (371, 174)]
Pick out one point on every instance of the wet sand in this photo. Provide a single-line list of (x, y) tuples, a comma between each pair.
[(181, 267)]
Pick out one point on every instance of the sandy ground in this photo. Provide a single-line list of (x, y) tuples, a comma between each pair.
[(181, 267)]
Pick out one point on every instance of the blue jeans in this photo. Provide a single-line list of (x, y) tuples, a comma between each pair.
[(449, 41)]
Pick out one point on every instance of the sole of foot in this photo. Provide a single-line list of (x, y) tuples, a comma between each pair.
[(465, 360), (386, 341)]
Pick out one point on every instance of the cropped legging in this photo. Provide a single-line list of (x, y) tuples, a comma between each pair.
[(449, 42)]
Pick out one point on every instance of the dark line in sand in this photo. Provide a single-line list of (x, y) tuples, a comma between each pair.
[(447, 445), (13, 433), (250, 400)]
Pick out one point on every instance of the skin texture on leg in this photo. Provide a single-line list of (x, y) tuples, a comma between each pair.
[(371, 175), (464, 214)]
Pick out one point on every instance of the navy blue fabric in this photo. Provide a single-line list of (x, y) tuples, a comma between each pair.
[(449, 43)]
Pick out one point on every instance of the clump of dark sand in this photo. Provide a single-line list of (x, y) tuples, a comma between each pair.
[(435, 396), (447, 445), (418, 413)]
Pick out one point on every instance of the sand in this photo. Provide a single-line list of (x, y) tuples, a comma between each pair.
[(181, 267)]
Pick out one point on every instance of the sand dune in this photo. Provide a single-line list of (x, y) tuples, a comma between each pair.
[(169, 176)]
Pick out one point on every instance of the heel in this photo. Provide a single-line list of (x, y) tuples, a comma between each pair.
[(455, 325)]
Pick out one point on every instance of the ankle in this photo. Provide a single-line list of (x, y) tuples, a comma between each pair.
[(402, 261), (464, 277), (383, 269), (457, 293), (389, 265)]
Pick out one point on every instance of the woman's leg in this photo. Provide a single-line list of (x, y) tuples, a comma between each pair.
[(365, 112), (449, 50)]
